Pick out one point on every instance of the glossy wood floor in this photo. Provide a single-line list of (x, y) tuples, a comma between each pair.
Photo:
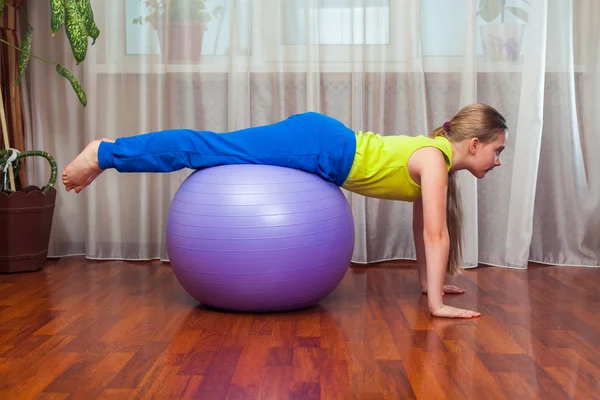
[(86, 330)]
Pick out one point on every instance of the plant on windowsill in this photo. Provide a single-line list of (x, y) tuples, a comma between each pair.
[(501, 41), (180, 25), (26, 212)]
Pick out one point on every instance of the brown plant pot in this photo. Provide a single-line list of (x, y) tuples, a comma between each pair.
[(25, 224), (26, 221), (181, 42)]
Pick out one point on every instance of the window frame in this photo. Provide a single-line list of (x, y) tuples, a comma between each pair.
[(265, 48)]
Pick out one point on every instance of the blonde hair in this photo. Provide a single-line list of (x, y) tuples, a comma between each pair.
[(473, 121)]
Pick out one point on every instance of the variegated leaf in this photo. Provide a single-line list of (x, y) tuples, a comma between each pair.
[(74, 83), (24, 54), (85, 10), (58, 15), (76, 32)]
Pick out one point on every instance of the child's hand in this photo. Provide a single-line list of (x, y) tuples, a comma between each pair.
[(451, 289), (452, 312)]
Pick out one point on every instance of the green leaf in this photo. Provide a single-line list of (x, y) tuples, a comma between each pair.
[(24, 54), (76, 31), (74, 83), (518, 12), (490, 9), (217, 11), (1, 7), (85, 10), (58, 15)]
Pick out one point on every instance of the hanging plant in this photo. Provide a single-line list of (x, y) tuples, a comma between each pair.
[(77, 17)]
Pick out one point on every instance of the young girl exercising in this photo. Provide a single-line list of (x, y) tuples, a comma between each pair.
[(417, 169)]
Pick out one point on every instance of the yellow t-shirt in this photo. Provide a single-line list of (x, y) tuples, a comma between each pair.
[(380, 167)]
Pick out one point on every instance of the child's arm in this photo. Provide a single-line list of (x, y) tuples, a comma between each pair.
[(420, 249), (417, 223), (436, 242), (434, 182)]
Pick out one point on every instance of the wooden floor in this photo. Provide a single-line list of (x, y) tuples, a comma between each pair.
[(87, 330)]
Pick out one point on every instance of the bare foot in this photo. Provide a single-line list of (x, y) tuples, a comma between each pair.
[(84, 168)]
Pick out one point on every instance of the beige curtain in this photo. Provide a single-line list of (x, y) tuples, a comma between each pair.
[(8, 75), (392, 67)]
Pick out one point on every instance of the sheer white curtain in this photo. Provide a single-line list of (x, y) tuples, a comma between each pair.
[(388, 66)]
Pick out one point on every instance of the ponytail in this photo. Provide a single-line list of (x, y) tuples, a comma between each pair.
[(454, 221), (454, 218)]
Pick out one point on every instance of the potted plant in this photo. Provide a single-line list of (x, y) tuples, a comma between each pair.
[(26, 212), (180, 25), (501, 41)]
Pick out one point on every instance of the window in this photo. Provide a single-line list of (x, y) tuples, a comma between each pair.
[(444, 25), (335, 22), (277, 31)]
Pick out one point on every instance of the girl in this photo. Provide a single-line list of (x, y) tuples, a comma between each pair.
[(416, 169)]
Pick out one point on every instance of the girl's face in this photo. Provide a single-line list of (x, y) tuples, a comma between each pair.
[(485, 156)]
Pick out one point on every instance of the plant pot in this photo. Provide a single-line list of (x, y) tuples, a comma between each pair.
[(26, 221), (502, 42), (181, 42)]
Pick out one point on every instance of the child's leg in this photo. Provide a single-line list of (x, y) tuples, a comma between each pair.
[(174, 149), (310, 142)]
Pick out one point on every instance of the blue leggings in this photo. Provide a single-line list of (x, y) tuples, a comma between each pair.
[(310, 141)]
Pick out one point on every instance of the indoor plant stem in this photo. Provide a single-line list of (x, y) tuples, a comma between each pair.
[(31, 55), (11, 176)]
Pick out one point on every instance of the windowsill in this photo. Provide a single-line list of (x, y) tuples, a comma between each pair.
[(222, 65)]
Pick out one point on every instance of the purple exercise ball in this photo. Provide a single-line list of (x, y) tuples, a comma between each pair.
[(259, 238)]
